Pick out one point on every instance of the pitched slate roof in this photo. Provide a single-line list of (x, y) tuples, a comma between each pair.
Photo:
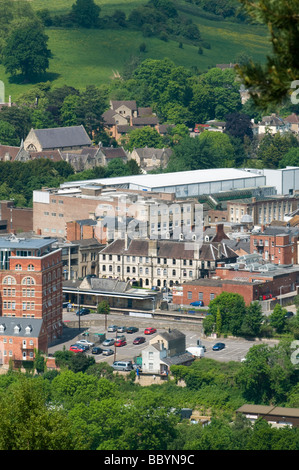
[(8, 327), (60, 137), (131, 104)]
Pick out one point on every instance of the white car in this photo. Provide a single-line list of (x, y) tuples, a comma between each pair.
[(85, 342)]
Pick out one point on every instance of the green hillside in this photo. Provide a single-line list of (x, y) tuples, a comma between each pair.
[(83, 56)]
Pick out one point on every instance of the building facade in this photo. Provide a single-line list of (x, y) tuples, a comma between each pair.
[(30, 293)]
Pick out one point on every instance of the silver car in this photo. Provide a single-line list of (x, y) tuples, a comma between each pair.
[(112, 328), (107, 352), (108, 342)]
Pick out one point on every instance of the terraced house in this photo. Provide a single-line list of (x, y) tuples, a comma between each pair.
[(160, 263)]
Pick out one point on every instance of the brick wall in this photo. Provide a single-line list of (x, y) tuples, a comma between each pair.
[(18, 219)]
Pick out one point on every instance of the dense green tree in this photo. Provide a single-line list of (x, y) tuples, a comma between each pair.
[(208, 150), (28, 421), (278, 318), (273, 148), (8, 134), (85, 13), (291, 158), (26, 50), (252, 320), (232, 309), (145, 137)]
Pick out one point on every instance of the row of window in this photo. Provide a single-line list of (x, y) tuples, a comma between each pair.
[(134, 259), (9, 280), (133, 270), (12, 292), (8, 305), (30, 267), (53, 214), (200, 295)]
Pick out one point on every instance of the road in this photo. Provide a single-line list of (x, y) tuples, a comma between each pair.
[(235, 349)]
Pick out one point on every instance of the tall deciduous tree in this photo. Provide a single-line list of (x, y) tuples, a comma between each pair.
[(26, 51)]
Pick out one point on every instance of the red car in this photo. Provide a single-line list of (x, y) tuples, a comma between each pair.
[(120, 342), (139, 340), (75, 348), (149, 331)]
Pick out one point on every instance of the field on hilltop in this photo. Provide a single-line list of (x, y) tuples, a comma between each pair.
[(83, 57)]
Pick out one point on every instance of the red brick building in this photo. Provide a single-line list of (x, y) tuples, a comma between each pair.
[(253, 285), (30, 297), (277, 245)]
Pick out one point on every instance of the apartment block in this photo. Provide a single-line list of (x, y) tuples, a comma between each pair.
[(30, 297)]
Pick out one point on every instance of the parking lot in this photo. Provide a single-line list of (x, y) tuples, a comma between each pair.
[(235, 349)]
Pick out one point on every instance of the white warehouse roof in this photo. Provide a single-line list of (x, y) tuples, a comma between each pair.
[(183, 183)]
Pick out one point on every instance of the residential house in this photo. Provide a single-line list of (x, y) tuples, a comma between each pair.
[(8, 153), (150, 158), (124, 116), (164, 350), (293, 120), (62, 138), (107, 154), (272, 124)]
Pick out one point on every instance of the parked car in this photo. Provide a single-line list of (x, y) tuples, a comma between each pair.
[(121, 338), (197, 303), (139, 340), (107, 352), (149, 331), (121, 329), (84, 342), (96, 350), (218, 346), (76, 348), (122, 365), (82, 311), (83, 346), (120, 342), (112, 328), (108, 342), (132, 329)]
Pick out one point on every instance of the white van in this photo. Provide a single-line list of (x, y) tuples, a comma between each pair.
[(122, 365)]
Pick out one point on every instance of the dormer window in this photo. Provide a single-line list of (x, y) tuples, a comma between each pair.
[(17, 329), (28, 329), (2, 328)]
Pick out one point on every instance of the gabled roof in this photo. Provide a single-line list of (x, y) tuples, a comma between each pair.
[(60, 137), (131, 104)]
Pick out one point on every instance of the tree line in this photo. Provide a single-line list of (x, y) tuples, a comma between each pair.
[(85, 406)]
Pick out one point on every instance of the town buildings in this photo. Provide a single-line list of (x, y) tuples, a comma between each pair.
[(30, 297), (249, 277)]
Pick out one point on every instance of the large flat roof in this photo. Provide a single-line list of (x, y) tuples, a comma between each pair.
[(151, 181), (24, 243)]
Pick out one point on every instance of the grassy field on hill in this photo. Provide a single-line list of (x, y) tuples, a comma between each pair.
[(82, 57)]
